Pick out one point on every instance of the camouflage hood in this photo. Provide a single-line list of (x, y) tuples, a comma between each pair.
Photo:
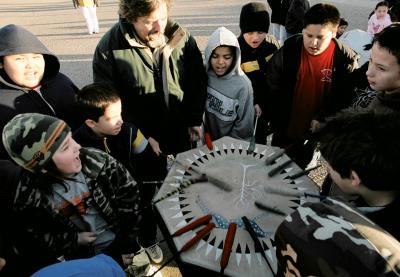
[(32, 139)]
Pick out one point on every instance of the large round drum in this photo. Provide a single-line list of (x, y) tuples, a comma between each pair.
[(247, 175)]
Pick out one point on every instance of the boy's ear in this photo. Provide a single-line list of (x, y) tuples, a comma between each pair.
[(355, 179), (90, 123)]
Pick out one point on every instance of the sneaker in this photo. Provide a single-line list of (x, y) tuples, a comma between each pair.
[(140, 265), (155, 253)]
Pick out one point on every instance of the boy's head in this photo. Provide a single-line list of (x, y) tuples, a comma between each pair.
[(100, 105), (23, 58), (362, 148), (222, 59), (381, 9), (254, 23), (320, 26), (33, 140), (342, 27), (384, 65)]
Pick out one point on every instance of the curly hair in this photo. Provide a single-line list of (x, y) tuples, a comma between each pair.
[(131, 10)]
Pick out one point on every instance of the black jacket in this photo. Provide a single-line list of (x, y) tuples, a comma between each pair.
[(282, 78)]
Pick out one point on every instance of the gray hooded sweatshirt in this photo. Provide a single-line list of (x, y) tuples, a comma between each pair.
[(229, 106)]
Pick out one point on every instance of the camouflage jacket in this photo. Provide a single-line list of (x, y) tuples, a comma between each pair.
[(330, 238), (113, 192)]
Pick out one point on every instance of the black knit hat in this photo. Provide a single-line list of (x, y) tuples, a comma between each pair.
[(254, 17)]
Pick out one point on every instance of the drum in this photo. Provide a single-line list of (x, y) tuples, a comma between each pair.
[(247, 177)]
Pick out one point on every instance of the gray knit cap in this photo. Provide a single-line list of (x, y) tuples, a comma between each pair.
[(31, 139)]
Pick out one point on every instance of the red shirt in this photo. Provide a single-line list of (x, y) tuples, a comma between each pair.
[(314, 79)]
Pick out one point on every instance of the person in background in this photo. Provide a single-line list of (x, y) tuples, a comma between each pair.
[(278, 16), (229, 107), (308, 80), (295, 16), (380, 19), (257, 48), (88, 9), (158, 68), (343, 24)]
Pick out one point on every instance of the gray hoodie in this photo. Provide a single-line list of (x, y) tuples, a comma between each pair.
[(229, 106)]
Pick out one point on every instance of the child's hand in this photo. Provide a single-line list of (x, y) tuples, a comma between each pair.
[(155, 146), (257, 110), (86, 238), (195, 133), (315, 125), (127, 259)]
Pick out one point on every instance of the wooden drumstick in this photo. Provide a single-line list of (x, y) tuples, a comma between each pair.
[(211, 179), (208, 140), (279, 153), (278, 168), (184, 184), (290, 192), (226, 252), (200, 221), (188, 244), (257, 244), (264, 206)]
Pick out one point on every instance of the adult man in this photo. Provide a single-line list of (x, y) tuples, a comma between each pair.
[(307, 79), (158, 68)]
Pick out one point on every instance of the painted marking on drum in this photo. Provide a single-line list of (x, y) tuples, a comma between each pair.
[(180, 214), (175, 208), (218, 254), (201, 243), (209, 248)]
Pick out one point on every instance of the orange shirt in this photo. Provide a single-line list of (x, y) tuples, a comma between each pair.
[(314, 80)]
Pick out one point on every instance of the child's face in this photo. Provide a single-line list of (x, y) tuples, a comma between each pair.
[(341, 29), (381, 11), (254, 39), (317, 37), (66, 158), (383, 70), (25, 70), (110, 122), (221, 60), (345, 184)]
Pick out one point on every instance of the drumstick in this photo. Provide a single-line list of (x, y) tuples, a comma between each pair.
[(208, 140), (252, 144), (257, 245), (226, 252), (200, 221), (303, 172), (264, 206), (184, 184), (275, 156), (188, 245), (211, 179), (290, 192), (278, 168)]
